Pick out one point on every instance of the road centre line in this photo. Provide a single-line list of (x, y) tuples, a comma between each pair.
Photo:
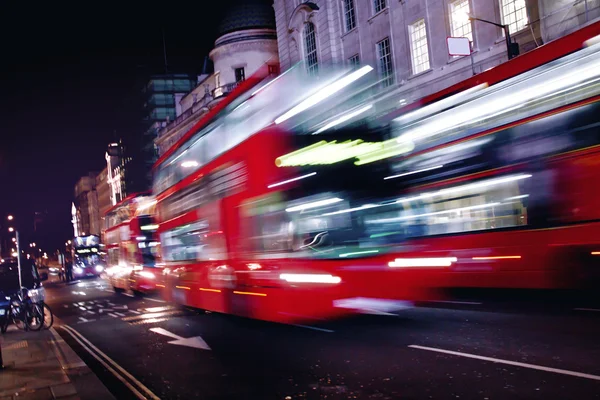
[(508, 362), (313, 328), (156, 300)]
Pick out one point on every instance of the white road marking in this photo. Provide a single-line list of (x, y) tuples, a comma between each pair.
[(110, 304), (128, 294), (508, 362), (83, 319), (65, 305), (123, 307), (196, 342), (314, 328), (135, 312), (83, 308), (587, 309), (91, 312), (156, 300), (113, 367), (120, 314), (113, 315), (456, 302)]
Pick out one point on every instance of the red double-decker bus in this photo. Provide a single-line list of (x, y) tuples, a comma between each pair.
[(268, 212), (131, 244)]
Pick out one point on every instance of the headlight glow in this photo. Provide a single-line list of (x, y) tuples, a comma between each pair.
[(99, 268), (146, 274)]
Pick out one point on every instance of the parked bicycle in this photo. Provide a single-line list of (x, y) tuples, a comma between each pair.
[(23, 312)]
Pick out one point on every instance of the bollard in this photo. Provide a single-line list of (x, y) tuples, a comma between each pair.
[(1, 361)]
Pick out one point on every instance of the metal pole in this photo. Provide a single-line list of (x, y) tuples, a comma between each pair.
[(507, 37), (472, 60), (19, 260)]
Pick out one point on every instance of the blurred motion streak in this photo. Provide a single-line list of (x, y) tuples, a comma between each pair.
[(488, 185)]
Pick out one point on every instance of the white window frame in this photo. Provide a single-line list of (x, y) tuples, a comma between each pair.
[(379, 5), (516, 18), (354, 61), (385, 62), (310, 49), (419, 47), (460, 25), (349, 11)]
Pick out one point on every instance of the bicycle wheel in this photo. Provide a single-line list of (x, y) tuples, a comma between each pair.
[(48, 317), (34, 317)]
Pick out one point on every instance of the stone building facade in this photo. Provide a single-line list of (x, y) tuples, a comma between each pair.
[(406, 40)]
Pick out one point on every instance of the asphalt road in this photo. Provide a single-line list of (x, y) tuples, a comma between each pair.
[(449, 350)]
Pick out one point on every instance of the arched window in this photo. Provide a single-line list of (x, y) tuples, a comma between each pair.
[(310, 48)]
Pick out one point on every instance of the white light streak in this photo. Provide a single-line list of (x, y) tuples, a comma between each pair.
[(412, 172), (324, 93), (189, 164), (314, 204), (310, 278), (422, 262), (291, 180), (344, 118)]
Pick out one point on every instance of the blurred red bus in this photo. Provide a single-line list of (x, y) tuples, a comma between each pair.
[(281, 224), (501, 180), (238, 234), (131, 245)]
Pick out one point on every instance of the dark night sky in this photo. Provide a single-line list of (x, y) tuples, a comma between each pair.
[(68, 79)]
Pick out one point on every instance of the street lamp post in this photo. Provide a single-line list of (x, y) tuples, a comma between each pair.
[(512, 49)]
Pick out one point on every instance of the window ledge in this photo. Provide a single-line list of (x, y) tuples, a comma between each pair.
[(386, 10), (351, 31), (415, 76)]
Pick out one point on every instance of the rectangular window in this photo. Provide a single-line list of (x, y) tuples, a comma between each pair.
[(349, 15), (384, 58), (418, 47), (310, 42), (378, 5), (514, 14), (459, 19), (354, 61), (240, 74)]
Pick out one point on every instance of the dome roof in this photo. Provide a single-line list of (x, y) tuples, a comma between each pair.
[(251, 14)]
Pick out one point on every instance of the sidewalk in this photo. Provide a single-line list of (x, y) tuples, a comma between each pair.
[(41, 366)]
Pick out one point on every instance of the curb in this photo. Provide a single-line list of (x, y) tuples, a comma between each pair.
[(87, 385)]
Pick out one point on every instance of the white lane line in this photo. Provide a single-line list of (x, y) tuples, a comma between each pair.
[(83, 308), (128, 295), (113, 367), (156, 300), (508, 362), (113, 315), (135, 312), (120, 314), (314, 328), (91, 312), (587, 309), (83, 319), (456, 302)]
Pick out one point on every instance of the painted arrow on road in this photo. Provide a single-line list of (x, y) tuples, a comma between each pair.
[(195, 342)]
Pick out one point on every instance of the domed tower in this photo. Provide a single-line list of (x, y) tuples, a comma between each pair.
[(247, 40)]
